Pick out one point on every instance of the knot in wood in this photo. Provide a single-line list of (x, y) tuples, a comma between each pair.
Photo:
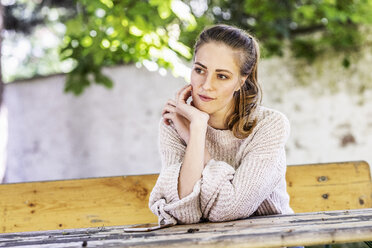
[(325, 196), (322, 179)]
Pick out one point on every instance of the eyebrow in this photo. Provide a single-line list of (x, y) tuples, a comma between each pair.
[(217, 70)]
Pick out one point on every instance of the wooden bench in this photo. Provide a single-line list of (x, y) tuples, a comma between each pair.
[(118, 201)]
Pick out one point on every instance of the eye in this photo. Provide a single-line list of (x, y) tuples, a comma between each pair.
[(199, 70), (222, 76)]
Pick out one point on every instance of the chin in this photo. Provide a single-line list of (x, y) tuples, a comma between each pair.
[(201, 105)]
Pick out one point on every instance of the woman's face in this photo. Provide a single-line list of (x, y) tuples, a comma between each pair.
[(214, 78)]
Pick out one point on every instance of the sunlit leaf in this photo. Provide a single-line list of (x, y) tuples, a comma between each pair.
[(86, 41), (108, 3)]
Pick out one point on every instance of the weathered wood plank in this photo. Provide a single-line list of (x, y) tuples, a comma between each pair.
[(93, 202), (110, 201), (329, 186), (262, 231)]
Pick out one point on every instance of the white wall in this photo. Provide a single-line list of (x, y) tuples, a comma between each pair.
[(104, 132), (3, 139), (53, 135), (329, 107)]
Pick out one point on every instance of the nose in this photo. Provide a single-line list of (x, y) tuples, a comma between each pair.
[(207, 85)]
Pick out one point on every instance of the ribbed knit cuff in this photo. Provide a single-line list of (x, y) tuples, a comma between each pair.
[(169, 180), (185, 210)]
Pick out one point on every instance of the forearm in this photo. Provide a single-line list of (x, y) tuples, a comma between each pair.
[(194, 160)]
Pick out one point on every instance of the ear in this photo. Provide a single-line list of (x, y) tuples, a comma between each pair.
[(241, 82)]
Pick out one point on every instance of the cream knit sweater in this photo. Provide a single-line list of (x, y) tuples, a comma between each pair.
[(244, 177)]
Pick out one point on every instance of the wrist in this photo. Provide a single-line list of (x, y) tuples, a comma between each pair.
[(197, 133), (201, 123), (200, 119), (198, 125)]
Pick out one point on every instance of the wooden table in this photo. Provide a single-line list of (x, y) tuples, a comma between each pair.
[(261, 231)]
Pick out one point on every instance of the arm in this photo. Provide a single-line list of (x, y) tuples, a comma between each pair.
[(188, 127), (227, 194), (164, 200), (193, 163)]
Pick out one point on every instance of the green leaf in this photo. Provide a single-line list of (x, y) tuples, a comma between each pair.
[(164, 10), (76, 82), (74, 27), (346, 62), (108, 3), (86, 41), (104, 80)]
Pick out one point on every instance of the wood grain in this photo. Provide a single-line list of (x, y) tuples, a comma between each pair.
[(263, 231), (110, 201), (94, 202), (330, 186)]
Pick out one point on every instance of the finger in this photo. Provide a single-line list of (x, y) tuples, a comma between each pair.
[(181, 90), (171, 102), (185, 111), (168, 118), (185, 94), (168, 109), (166, 122)]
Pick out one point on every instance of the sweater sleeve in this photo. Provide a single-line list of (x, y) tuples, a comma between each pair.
[(228, 194), (164, 199)]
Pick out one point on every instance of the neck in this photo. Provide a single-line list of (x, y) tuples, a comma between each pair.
[(217, 119), (217, 123)]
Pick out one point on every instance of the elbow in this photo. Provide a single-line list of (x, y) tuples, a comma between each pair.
[(221, 216), (186, 215), (188, 220), (228, 215), (183, 214)]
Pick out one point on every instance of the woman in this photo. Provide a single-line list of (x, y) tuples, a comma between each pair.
[(223, 155)]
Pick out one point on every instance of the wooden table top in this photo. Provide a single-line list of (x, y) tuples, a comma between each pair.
[(260, 231)]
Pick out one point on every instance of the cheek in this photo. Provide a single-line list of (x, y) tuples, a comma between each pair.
[(227, 90), (195, 78), (196, 81), (226, 94), (193, 83)]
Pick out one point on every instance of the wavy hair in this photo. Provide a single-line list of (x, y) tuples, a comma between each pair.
[(246, 99)]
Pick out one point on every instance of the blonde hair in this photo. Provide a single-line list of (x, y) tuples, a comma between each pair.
[(245, 100)]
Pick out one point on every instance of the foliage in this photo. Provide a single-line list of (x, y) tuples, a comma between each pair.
[(157, 33), (311, 26), (22, 16), (32, 33), (109, 32)]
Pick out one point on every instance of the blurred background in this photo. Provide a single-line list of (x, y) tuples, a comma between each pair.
[(84, 82)]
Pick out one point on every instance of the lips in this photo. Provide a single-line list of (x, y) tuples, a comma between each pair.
[(205, 98)]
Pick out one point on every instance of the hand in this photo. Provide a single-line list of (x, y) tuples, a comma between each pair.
[(181, 114), (191, 113), (181, 124)]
